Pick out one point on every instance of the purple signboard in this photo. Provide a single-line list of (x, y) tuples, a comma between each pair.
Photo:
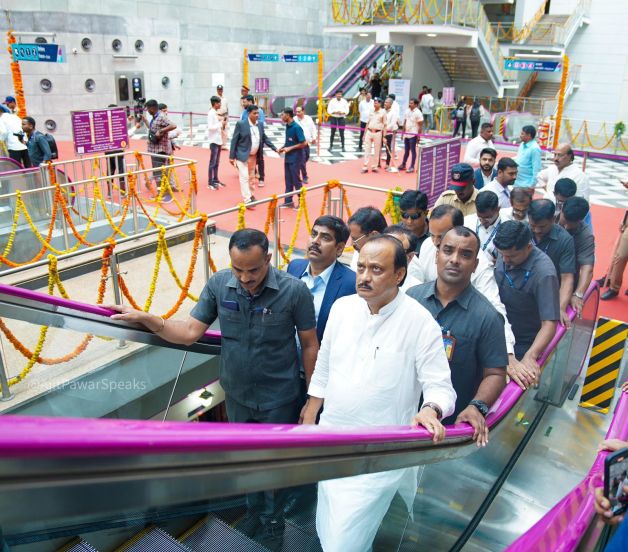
[(99, 130), (426, 169), (435, 164), (262, 86)]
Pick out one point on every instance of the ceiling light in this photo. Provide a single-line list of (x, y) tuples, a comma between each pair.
[(535, 51), (432, 35), (364, 34)]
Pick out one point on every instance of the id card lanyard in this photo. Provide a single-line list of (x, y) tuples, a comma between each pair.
[(491, 236), (511, 283), (449, 342)]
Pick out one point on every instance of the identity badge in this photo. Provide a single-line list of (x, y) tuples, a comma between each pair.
[(449, 341)]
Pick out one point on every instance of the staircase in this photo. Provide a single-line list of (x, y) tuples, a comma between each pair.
[(544, 89)]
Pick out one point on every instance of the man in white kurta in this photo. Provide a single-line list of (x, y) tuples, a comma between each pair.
[(379, 353), (563, 167)]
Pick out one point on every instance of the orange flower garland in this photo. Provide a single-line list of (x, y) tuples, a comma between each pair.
[(18, 83)]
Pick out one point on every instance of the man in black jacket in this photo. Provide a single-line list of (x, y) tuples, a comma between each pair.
[(246, 145)]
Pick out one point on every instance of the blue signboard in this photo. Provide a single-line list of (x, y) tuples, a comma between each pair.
[(300, 58), (50, 53), (532, 65), (263, 57)]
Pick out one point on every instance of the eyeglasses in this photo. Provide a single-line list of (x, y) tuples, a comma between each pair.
[(356, 240), (414, 216)]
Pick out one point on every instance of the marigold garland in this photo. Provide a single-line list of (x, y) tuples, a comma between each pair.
[(241, 222), (18, 83), (331, 184), (390, 208)]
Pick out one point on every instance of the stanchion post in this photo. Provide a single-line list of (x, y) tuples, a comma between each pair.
[(4, 383), (117, 295), (205, 246), (191, 132), (276, 230)]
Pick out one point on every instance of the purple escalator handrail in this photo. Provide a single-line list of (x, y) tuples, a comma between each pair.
[(54, 437), (563, 527), (60, 302)]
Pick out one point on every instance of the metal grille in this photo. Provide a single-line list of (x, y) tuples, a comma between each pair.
[(156, 540), (216, 536), (80, 546)]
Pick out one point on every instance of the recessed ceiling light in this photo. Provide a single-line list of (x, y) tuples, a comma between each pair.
[(535, 51), (432, 35), (364, 34)]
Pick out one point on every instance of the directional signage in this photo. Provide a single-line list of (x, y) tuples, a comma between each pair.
[(263, 57), (50, 53), (300, 58), (533, 65)]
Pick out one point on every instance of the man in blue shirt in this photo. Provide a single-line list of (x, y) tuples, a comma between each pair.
[(528, 158), (250, 100), (294, 155)]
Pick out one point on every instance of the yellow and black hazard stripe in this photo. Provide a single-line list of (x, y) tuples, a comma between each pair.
[(603, 371)]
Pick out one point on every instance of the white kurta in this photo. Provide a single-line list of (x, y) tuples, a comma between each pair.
[(371, 370), (423, 268), (547, 178)]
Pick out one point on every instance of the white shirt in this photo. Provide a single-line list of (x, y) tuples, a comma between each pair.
[(547, 179), (486, 179), (365, 108), (503, 194), (423, 268), (427, 104), (338, 105), (486, 235), (214, 127), (10, 124), (409, 282), (396, 110), (474, 147), (254, 138), (308, 126), (371, 370), (412, 119), (392, 119)]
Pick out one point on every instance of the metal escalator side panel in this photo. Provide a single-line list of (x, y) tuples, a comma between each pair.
[(212, 534), (563, 527)]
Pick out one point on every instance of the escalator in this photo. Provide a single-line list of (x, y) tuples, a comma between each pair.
[(72, 483), (342, 76)]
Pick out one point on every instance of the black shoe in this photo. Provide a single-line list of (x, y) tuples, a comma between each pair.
[(626, 292), (212, 186), (343, 148), (609, 294), (270, 535), (218, 183), (402, 168)]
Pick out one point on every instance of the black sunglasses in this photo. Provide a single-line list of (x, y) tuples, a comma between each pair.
[(415, 216)]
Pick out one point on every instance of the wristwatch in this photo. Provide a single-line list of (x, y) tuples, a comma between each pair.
[(435, 408), (578, 295), (481, 406)]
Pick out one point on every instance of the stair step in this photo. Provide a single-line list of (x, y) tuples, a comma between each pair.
[(212, 534), (153, 539), (77, 545)]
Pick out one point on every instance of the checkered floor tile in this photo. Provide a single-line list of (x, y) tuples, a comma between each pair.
[(603, 174)]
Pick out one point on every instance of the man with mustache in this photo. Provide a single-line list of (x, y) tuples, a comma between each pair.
[(563, 167), (473, 331), (381, 350), (326, 277), (259, 309)]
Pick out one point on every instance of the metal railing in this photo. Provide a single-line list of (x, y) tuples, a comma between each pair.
[(463, 13), (95, 205)]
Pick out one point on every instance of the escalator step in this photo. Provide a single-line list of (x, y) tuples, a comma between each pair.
[(214, 535), (77, 545), (300, 535), (153, 539)]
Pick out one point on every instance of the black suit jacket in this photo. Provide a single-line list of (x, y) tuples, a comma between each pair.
[(241, 140)]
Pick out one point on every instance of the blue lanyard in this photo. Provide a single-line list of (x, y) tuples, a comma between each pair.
[(546, 247), (490, 238), (511, 283)]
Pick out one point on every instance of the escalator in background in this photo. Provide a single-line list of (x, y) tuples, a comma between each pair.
[(343, 76), (138, 484)]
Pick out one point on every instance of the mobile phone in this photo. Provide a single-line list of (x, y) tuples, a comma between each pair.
[(615, 477)]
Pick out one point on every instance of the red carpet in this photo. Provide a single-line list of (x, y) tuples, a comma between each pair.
[(605, 219)]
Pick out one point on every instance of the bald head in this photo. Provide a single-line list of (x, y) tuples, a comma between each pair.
[(563, 156)]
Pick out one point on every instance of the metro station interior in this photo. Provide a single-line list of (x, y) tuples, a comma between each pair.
[(117, 435)]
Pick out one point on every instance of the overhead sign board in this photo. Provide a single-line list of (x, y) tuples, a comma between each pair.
[(49, 53), (300, 58), (99, 130), (263, 57), (532, 65)]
